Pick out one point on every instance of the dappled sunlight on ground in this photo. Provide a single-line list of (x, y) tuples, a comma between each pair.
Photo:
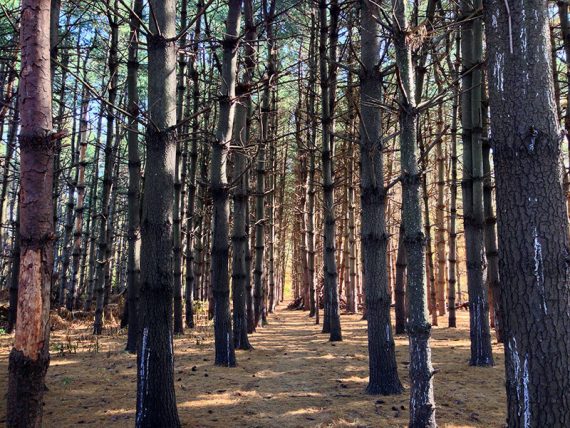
[(293, 378)]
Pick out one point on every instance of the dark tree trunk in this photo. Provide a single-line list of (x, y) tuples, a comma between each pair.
[(103, 244), (78, 227), (239, 231), (472, 187), (224, 343), (134, 192), (400, 287), (374, 238), (192, 279), (156, 401), (331, 320), (532, 222)]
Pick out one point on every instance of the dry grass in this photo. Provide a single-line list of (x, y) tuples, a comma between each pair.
[(293, 378)]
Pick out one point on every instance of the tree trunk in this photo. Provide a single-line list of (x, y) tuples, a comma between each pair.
[(400, 287), (331, 321), (29, 357), (224, 343), (472, 186), (239, 230), (103, 244), (156, 401), (374, 238), (134, 192), (532, 221), (191, 277), (80, 207), (452, 255), (240, 233), (422, 403)]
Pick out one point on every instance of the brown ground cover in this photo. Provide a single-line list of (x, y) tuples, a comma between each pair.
[(293, 378)]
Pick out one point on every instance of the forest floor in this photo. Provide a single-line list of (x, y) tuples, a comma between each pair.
[(293, 378)]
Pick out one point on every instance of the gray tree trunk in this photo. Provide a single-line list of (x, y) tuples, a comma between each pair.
[(374, 238), (224, 343), (532, 221), (422, 403)]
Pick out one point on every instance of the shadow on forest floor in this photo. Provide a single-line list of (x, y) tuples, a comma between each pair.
[(293, 378)]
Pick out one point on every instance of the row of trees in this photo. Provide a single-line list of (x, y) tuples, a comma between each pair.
[(241, 110)]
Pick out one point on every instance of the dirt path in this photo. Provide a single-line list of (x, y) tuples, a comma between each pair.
[(293, 378)]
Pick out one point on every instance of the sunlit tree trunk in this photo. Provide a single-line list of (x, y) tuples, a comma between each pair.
[(29, 357)]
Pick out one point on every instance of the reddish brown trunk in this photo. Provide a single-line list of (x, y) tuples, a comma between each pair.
[(29, 358)]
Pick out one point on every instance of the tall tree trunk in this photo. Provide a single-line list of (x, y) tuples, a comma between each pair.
[(532, 221), (240, 233), (381, 348), (440, 214), (191, 277), (29, 357), (239, 227), (14, 276), (400, 286), (452, 255), (491, 249), (103, 246), (422, 403), (472, 186), (156, 401), (311, 143), (134, 191), (94, 216), (331, 321), (177, 208), (80, 207), (224, 344)]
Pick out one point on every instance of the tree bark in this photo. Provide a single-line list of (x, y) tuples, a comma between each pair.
[(156, 401), (422, 403), (134, 190), (224, 343), (29, 357), (331, 321), (532, 222), (374, 237), (472, 187)]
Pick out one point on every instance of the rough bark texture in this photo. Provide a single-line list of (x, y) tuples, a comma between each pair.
[(239, 227), (29, 358), (80, 207), (472, 187), (331, 320), (224, 344), (103, 247), (240, 234), (374, 237), (156, 401), (134, 192), (491, 249), (532, 222), (452, 255), (422, 403)]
